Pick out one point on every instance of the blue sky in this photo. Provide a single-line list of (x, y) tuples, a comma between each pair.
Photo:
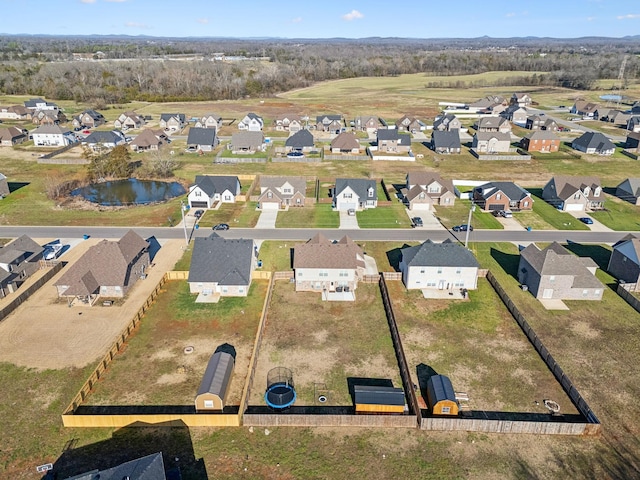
[(325, 18)]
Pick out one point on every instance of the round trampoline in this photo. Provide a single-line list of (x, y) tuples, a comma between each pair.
[(281, 392)]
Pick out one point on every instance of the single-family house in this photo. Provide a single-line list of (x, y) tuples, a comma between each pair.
[(149, 140), (288, 122), (11, 136), (554, 273), (346, 143), (543, 141), (635, 108), (107, 269), (281, 192), (446, 141), (150, 467), (354, 194), (515, 114), (19, 260), (329, 123), (568, 193), (593, 143), (202, 139), (584, 108), (446, 123), (15, 112), (129, 120), (425, 189), (602, 113), (173, 121), (88, 118), (214, 387), (438, 266), (494, 196), (34, 104), (540, 122), (210, 189), (493, 124), (491, 142), (52, 136), (410, 124), (521, 99), (633, 124), (210, 120), (624, 263), (301, 141), (4, 186), (48, 117), (489, 104), (251, 123), (99, 140), (367, 123), (619, 118), (389, 140), (632, 143), (629, 190), (221, 267), (321, 265), (247, 142)]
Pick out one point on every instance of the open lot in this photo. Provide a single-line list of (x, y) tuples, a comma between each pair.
[(325, 343), (320, 215)]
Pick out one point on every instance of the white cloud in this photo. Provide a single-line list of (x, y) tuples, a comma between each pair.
[(203, 21), (629, 16), (296, 20), (591, 19), (136, 25), (510, 14), (115, 1), (352, 15), (87, 1)]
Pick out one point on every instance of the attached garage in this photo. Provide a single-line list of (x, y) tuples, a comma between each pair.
[(199, 205), (497, 206), (573, 207), (214, 387), (270, 205)]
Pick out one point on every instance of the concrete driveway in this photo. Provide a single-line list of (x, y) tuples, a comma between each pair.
[(596, 226), (348, 221), (510, 223), (429, 219), (267, 219)]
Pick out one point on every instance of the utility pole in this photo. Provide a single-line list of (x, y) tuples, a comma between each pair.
[(466, 237), (184, 223)]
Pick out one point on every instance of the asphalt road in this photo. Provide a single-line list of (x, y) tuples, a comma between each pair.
[(575, 125), (302, 234)]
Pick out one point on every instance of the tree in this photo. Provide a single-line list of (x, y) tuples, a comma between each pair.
[(111, 164), (162, 164)]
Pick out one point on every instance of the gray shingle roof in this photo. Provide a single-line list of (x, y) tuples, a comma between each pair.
[(360, 186), (201, 136), (388, 134), (542, 135), (445, 139), (328, 118), (150, 467), (217, 376), (212, 184), (320, 252), (300, 139), (246, 139), (218, 260), (510, 189), (100, 136), (593, 140), (445, 254), (168, 116)]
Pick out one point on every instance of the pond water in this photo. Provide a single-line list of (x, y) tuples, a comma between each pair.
[(611, 97), (129, 192)]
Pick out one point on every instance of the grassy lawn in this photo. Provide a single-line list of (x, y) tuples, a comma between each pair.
[(551, 215), (464, 340), (276, 256), (387, 254), (392, 216), (234, 214), (168, 376), (619, 215), (319, 215), (336, 340), (458, 214)]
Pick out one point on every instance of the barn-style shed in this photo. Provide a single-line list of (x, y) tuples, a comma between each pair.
[(376, 399), (440, 395), (214, 387)]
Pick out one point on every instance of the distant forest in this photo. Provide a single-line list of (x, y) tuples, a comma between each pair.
[(164, 69)]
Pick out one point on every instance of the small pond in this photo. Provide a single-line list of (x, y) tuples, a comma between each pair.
[(610, 97), (129, 192)]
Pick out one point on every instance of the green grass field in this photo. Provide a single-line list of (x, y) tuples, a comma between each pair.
[(391, 216), (319, 216)]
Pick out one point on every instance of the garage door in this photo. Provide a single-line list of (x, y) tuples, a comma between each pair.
[(270, 205), (497, 206), (199, 205), (574, 207), (346, 206), (423, 207)]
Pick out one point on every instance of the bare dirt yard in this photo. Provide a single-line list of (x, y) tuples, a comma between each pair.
[(325, 343), (45, 333)]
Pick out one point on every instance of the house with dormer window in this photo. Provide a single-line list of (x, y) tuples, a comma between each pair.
[(354, 194), (281, 192), (251, 123), (574, 194), (423, 190)]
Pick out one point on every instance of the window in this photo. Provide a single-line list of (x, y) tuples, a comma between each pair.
[(458, 271), (347, 195), (298, 201), (585, 293), (225, 289), (287, 190), (323, 274), (431, 283), (370, 192), (240, 289), (421, 196), (439, 269), (227, 198), (498, 196), (552, 279), (198, 193), (597, 292), (343, 273), (525, 203), (208, 404), (576, 196), (446, 410), (269, 194), (596, 192), (587, 190), (448, 200)]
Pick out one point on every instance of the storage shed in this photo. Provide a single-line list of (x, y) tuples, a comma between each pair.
[(440, 396), (214, 387), (374, 399)]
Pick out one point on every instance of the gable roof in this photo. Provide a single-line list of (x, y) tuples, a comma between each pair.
[(445, 138), (218, 260), (23, 245), (631, 185), (542, 135), (326, 119), (629, 246), (300, 139), (427, 178), (500, 136), (594, 140), (320, 252), (246, 139), (445, 254), (10, 133), (92, 113), (360, 186), (51, 129), (566, 185), (101, 136), (212, 184), (201, 136), (346, 141), (149, 137), (168, 116), (491, 122), (150, 467), (299, 184), (217, 374), (444, 120), (510, 189)]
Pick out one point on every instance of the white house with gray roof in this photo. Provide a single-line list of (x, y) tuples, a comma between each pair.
[(389, 140), (202, 139), (210, 189), (355, 193), (438, 266), (173, 121), (251, 123), (593, 143), (100, 140), (247, 142), (301, 141), (52, 136), (221, 267)]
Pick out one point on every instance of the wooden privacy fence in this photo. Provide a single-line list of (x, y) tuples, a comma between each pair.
[(628, 297), (286, 275), (285, 419), (392, 276), (177, 275), (30, 290), (592, 424), (260, 275), (541, 426)]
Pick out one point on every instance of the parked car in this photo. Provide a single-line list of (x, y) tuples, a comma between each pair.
[(504, 213), (462, 228), (417, 222), (587, 220), (351, 212), (221, 226), (198, 213)]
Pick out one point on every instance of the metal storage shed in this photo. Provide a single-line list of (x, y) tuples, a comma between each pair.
[(372, 399), (214, 387), (440, 395)]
